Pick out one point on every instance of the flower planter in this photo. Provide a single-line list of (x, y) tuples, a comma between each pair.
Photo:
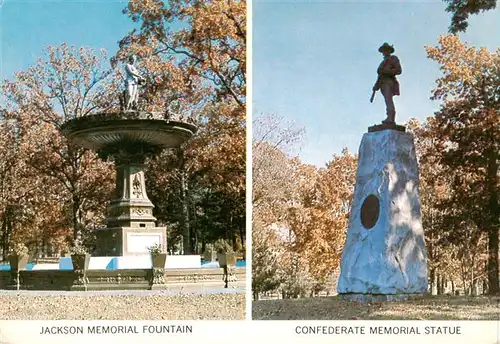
[(226, 259), (80, 261), (18, 262), (158, 260)]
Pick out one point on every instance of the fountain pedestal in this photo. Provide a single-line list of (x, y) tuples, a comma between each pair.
[(131, 226), (128, 138)]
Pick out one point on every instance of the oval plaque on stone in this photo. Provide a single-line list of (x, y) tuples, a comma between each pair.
[(370, 211)]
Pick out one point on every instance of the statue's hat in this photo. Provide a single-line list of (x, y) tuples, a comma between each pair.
[(386, 46)]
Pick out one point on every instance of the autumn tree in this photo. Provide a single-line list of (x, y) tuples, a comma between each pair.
[(320, 218), (193, 54), (300, 212), (266, 257), (455, 245), (274, 190), (468, 136), (65, 83), (462, 9), (31, 205), (273, 171)]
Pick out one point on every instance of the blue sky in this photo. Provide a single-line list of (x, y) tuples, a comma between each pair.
[(27, 27), (315, 63)]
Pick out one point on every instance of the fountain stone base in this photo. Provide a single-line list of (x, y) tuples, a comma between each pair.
[(125, 241)]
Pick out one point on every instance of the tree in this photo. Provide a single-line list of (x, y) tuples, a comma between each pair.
[(455, 245), (319, 219), (274, 191), (266, 254), (468, 127), (193, 54), (66, 83), (210, 45), (461, 9)]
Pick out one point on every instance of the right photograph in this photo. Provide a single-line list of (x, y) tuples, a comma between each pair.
[(376, 179)]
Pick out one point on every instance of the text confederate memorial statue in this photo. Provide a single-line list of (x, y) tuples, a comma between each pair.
[(387, 82)]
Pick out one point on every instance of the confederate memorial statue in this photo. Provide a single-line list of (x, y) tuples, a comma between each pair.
[(132, 82), (384, 256), (387, 82)]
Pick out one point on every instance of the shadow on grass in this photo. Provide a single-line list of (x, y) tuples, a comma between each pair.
[(425, 308)]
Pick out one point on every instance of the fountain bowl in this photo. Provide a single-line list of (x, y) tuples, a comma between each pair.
[(150, 129)]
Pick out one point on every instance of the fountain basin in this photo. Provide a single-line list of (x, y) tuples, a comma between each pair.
[(137, 128)]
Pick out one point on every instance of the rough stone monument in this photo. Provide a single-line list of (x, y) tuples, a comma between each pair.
[(129, 137), (384, 257)]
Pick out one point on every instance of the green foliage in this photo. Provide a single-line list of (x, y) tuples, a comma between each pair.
[(156, 249), (461, 9), (78, 250)]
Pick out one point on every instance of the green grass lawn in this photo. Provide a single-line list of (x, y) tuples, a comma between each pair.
[(425, 308)]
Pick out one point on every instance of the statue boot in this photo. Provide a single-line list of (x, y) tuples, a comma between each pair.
[(391, 118)]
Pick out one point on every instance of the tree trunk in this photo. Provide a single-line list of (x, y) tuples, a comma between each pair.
[(184, 220), (493, 287), (438, 284), (242, 238), (474, 288), (186, 230), (463, 276), (432, 281), (473, 284), (494, 210), (438, 280), (76, 217), (5, 237), (8, 229)]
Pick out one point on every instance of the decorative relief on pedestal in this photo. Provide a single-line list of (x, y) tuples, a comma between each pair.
[(81, 278), (158, 276), (124, 210), (15, 278), (229, 275), (140, 211), (120, 279), (137, 186), (231, 271), (195, 278)]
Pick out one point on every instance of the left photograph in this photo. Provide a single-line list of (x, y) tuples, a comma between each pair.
[(122, 160)]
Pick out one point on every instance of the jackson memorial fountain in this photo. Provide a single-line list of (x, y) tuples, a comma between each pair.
[(122, 259)]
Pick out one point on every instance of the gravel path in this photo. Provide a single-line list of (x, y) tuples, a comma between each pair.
[(123, 305), (185, 289)]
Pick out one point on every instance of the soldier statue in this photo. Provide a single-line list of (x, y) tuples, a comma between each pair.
[(387, 82), (132, 81)]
